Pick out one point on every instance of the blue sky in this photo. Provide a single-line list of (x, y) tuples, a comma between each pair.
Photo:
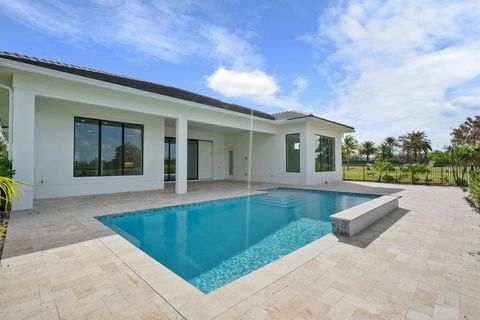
[(384, 67)]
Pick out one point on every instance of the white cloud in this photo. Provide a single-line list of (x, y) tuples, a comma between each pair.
[(246, 84), (258, 87), (300, 83), (159, 29), (392, 64), (471, 101), (232, 48)]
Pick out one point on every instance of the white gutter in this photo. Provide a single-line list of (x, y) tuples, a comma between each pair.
[(10, 118)]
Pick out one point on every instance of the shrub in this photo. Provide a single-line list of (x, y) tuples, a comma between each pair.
[(388, 178), (461, 182), (6, 167), (474, 187)]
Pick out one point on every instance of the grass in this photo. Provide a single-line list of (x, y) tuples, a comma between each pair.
[(437, 175)]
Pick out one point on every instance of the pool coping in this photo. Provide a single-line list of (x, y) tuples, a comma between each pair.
[(189, 301)]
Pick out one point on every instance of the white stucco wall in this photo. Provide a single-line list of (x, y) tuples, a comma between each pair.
[(268, 156), (54, 143)]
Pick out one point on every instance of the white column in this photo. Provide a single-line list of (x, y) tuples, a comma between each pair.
[(181, 156), (22, 137)]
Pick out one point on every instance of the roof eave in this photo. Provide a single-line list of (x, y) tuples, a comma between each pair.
[(313, 117)]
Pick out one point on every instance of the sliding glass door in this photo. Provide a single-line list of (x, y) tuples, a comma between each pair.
[(170, 156), (192, 161), (170, 159)]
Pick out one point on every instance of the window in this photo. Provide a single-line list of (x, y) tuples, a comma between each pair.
[(324, 153), (107, 148), (293, 152), (111, 151), (86, 147), (133, 149)]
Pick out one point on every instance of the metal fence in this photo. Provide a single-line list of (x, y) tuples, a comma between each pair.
[(438, 175)]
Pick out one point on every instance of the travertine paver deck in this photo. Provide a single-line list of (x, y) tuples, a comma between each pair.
[(413, 264)]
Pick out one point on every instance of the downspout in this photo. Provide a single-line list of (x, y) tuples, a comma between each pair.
[(10, 119)]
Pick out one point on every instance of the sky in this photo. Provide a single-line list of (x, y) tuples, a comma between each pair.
[(384, 67)]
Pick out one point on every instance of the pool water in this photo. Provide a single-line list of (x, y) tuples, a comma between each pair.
[(213, 243)]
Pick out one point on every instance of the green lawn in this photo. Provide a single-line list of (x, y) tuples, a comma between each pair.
[(437, 175)]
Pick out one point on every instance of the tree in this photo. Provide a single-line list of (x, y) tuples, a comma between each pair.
[(467, 133), (350, 144), (385, 152), (458, 158), (383, 167), (414, 169), (414, 143), (391, 142), (368, 148)]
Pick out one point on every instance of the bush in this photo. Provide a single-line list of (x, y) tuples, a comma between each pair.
[(5, 171), (388, 178), (474, 187), (461, 182), (6, 167)]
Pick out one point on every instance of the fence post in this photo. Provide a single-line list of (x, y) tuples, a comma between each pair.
[(443, 181), (363, 172)]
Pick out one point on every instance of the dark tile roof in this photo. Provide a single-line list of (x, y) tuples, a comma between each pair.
[(289, 115), (133, 83), (323, 119)]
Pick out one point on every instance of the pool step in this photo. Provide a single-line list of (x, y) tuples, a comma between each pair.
[(281, 202)]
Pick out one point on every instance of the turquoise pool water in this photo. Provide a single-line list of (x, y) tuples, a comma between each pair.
[(213, 243)]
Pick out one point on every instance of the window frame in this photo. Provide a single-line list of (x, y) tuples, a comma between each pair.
[(286, 153), (334, 165), (99, 147)]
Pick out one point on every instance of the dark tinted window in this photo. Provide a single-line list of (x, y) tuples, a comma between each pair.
[(86, 147), (111, 151), (293, 152), (107, 148), (133, 149), (324, 153)]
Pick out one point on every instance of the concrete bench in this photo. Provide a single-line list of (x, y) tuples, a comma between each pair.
[(351, 221)]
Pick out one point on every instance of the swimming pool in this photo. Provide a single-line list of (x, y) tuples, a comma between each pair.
[(212, 243)]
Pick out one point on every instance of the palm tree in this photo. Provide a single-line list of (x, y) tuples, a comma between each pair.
[(350, 144), (414, 169), (368, 148), (458, 159), (391, 142), (415, 142), (385, 152), (383, 167)]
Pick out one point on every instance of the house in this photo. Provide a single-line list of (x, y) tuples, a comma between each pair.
[(77, 131)]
